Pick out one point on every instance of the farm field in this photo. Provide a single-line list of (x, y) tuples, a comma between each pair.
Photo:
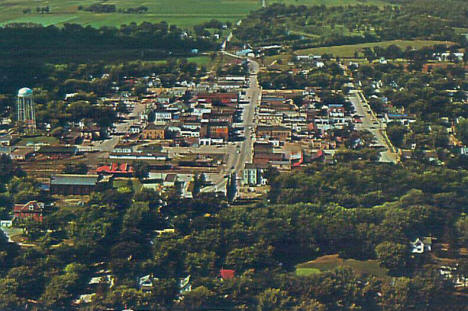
[(349, 50), (184, 13), (330, 262)]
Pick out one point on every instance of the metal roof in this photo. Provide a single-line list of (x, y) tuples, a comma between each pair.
[(70, 179)]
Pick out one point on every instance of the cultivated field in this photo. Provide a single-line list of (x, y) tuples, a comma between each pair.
[(179, 12)]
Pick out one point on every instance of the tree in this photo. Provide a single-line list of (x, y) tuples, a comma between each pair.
[(396, 132), (393, 256), (462, 229), (310, 305), (273, 299), (140, 170), (75, 168), (462, 131), (9, 300), (231, 188), (396, 297), (200, 298)]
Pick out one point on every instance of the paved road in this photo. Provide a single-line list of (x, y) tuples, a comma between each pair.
[(240, 153), (371, 123), (108, 145)]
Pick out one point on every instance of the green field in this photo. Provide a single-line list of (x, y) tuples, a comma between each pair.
[(349, 50), (330, 262), (180, 12), (37, 140)]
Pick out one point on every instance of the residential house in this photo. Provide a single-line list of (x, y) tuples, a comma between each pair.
[(6, 140), (145, 283), (419, 246), (32, 210), (22, 154), (227, 274)]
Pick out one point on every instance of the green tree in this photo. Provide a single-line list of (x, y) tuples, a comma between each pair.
[(393, 256), (462, 131), (396, 132), (140, 170), (273, 299)]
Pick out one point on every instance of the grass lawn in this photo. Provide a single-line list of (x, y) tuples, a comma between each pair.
[(307, 271), (39, 139), (184, 13), (330, 262), (348, 50), (124, 182), (201, 60)]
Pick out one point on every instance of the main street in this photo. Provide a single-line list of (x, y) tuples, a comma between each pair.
[(239, 153), (371, 123)]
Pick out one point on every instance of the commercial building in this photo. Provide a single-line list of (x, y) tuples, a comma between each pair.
[(70, 184)]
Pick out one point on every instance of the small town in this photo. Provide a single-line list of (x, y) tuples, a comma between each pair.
[(274, 162)]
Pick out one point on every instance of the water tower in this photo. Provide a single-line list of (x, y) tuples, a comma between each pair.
[(25, 108)]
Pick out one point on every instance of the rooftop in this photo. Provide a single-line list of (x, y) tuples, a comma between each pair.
[(71, 179)]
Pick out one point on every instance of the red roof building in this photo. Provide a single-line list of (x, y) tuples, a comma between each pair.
[(116, 169), (227, 274), (33, 210)]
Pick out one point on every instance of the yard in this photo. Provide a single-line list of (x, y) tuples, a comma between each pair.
[(330, 262)]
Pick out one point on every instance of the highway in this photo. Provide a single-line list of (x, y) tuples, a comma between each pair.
[(371, 123)]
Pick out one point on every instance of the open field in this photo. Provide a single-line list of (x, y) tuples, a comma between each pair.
[(330, 262), (38, 139), (184, 13), (349, 50)]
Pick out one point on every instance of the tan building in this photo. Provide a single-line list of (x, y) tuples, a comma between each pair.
[(153, 132), (274, 132)]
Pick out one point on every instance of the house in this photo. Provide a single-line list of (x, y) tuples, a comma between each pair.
[(6, 223), (134, 129), (70, 184), (185, 285), (420, 246), (227, 274), (22, 154), (32, 210), (253, 174), (90, 133), (153, 132), (6, 140), (145, 283), (404, 119), (336, 110)]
